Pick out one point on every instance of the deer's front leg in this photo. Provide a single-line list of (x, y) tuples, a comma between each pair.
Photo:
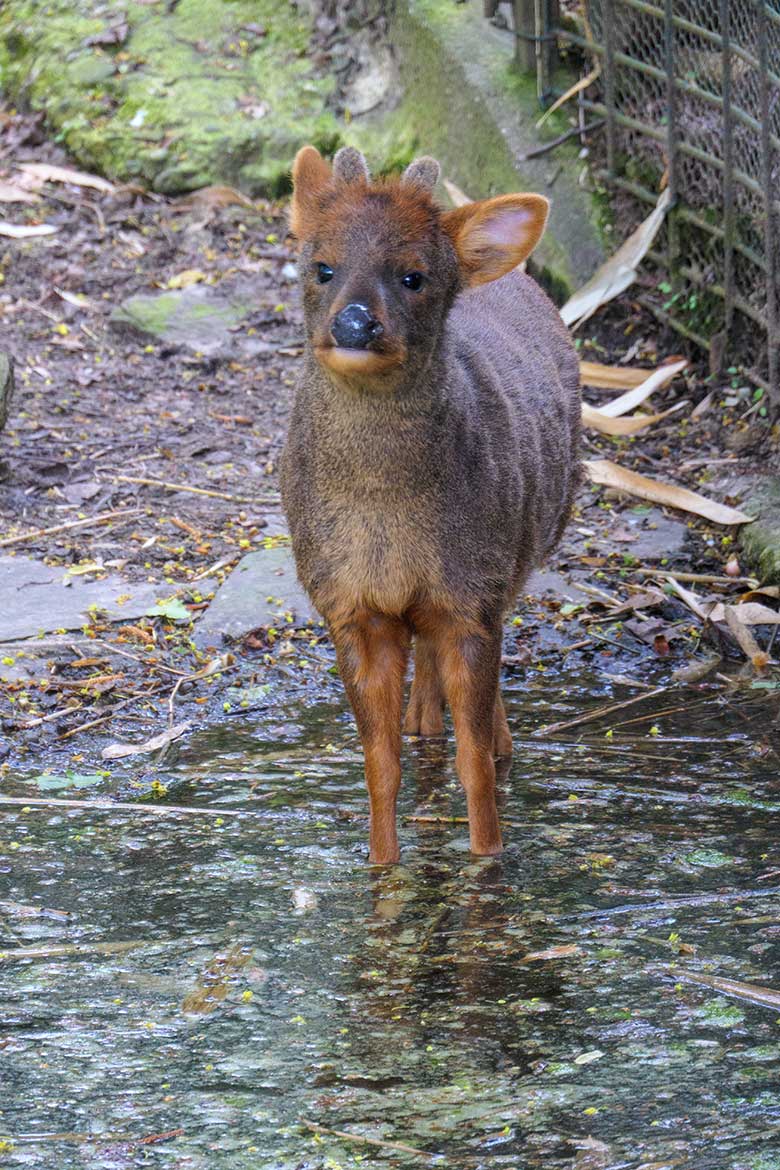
[(470, 662), (372, 652)]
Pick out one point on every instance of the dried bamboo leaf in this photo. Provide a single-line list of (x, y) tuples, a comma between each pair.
[(458, 197), (747, 643), (117, 751), (13, 193), (602, 377), (750, 613), (608, 474), (571, 92), (45, 173), (621, 426), (619, 272), (751, 992), (632, 398), (690, 599), (18, 231)]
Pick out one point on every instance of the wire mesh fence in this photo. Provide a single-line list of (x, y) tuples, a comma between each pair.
[(690, 94)]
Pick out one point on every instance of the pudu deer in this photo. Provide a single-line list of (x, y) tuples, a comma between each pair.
[(431, 458)]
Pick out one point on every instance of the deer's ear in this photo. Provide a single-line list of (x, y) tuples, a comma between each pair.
[(423, 172), (493, 236), (311, 175)]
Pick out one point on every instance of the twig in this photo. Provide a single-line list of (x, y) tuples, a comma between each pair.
[(185, 487), (135, 806), (367, 1141), (101, 518), (598, 712), (574, 132), (671, 904), (763, 996), (96, 948)]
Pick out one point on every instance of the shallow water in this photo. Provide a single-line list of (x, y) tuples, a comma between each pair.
[(271, 977)]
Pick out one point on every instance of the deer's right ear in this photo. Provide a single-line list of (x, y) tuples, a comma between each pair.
[(310, 175)]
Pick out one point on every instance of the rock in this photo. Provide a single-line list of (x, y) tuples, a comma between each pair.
[(262, 589), (6, 387), (176, 109), (201, 318), (36, 599)]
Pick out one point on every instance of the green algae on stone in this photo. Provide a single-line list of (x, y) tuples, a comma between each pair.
[(194, 94)]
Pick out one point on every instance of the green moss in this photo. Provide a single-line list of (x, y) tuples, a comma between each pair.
[(190, 98)]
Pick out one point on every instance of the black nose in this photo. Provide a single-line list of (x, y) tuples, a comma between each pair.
[(355, 328)]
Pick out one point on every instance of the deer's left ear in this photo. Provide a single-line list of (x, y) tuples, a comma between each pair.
[(493, 236), (311, 175)]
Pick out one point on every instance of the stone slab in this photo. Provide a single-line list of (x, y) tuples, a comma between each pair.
[(262, 589), (35, 600)]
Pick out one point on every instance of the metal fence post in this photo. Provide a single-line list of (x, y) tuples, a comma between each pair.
[(672, 222), (609, 82), (525, 32), (728, 176), (770, 237)]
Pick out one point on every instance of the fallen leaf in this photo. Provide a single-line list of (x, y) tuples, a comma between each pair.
[(608, 474), (619, 272), (52, 782), (562, 952), (747, 643), (187, 278), (751, 613), (571, 92), (458, 197), (603, 377), (117, 751), (634, 397), (172, 609), (212, 197), (46, 173), (596, 418), (11, 193), (18, 231)]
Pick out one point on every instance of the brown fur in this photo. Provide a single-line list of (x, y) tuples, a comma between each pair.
[(424, 477)]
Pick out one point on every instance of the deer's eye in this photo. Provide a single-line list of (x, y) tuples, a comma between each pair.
[(324, 273), (413, 280)]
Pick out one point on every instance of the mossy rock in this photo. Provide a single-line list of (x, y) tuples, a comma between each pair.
[(202, 92)]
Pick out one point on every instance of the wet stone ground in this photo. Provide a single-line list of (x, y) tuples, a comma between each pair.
[(234, 987)]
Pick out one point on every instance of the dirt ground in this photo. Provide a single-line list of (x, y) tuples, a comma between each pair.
[(104, 418)]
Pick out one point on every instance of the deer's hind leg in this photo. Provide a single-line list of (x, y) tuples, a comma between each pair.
[(425, 710), (502, 737)]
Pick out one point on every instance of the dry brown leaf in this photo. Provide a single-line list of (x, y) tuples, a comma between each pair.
[(751, 613), (458, 197), (621, 426), (571, 92), (747, 643), (603, 377), (619, 272), (45, 173), (632, 398), (117, 751), (24, 231), (213, 197), (13, 193), (690, 599), (608, 474), (551, 953)]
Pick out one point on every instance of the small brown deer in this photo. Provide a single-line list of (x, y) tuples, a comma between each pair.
[(431, 458)]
